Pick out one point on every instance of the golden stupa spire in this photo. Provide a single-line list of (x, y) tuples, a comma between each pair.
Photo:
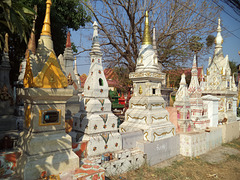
[(146, 36), (46, 30)]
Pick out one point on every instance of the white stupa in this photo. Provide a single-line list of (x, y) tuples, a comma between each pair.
[(220, 83), (95, 122), (147, 107), (199, 112), (182, 103)]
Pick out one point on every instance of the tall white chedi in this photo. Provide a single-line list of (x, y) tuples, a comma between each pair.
[(220, 83), (199, 112), (147, 107), (182, 104), (95, 122)]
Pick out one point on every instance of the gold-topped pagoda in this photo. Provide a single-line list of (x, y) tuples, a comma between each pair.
[(46, 30), (146, 36)]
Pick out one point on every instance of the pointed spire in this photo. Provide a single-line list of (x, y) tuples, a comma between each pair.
[(95, 41), (31, 42), (6, 49), (46, 30), (75, 66), (154, 40), (183, 79), (68, 42), (146, 35), (194, 62), (219, 39)]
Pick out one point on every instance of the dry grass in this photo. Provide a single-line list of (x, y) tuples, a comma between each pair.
[(187, 168)]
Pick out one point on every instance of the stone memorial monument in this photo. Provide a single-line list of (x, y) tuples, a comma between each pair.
[(147, 107), (182, 103), (198, 109), (95, 124), (220, 83), (72, 106), (44, 143)]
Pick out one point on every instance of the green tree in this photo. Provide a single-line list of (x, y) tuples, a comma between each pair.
[(210, 41), (14, 19), (65, 14), (196, 46), (234, 70), (121, 25)]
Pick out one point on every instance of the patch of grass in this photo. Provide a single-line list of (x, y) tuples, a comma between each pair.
[(234, 144), (234, 157)]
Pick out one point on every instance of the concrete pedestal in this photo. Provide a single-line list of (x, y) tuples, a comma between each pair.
[(161, 150), (44, 143)]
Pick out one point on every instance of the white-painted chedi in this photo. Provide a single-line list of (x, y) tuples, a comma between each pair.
[(95, 123), (198, 109), (182, 103), (220, 83), (147, 107)]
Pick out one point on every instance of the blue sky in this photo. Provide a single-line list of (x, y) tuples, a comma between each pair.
[(231, 44)]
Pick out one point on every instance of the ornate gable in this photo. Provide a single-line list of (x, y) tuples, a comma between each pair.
[(51, 76)]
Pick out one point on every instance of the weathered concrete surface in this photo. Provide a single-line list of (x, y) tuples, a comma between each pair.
[(129, 139), (161, 150), (230, 131)]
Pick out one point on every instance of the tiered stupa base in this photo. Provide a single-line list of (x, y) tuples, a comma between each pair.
[(149, 115)]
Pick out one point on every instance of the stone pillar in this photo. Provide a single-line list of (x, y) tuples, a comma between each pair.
[(212, 105)]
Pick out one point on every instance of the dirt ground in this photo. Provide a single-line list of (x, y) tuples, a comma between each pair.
[(220, 163)]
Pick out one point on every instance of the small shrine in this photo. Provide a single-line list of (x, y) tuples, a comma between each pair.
[(95, 126), (182, 103), (198, 109), (219, 81), (44, 144), (147, 107)]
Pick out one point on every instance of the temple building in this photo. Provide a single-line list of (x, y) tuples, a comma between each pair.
[(219, 81), (147, 107), (182, 103), (198, 109), (95, 124)]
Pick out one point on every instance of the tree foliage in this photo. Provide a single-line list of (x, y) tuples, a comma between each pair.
[(65, 14), (14, 19), (121, 28)]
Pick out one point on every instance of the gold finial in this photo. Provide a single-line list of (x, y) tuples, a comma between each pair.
[(46, 30), (146, 35), (6, 43)]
